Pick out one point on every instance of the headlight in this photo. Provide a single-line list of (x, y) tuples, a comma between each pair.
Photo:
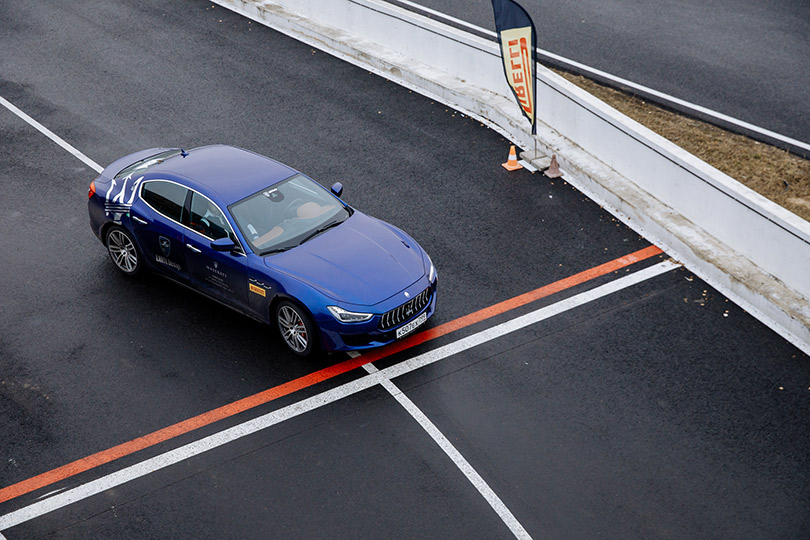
[(347, 316), (432, 273)]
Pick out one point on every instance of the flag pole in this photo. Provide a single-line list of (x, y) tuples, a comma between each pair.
[(517, 38)]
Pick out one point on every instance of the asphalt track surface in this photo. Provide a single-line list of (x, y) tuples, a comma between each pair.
[(748, 60), (660, 410)]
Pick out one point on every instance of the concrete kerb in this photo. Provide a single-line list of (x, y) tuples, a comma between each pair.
[(779, 306), (757, 292)]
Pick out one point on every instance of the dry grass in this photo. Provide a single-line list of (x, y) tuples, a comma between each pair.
[(774, 173)]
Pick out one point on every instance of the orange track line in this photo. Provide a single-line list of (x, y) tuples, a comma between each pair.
[(231, 409)]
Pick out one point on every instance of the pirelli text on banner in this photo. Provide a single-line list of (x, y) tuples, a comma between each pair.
[(518, 40)]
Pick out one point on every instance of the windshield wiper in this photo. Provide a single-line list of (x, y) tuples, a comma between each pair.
[(320, 230), (276, 250)]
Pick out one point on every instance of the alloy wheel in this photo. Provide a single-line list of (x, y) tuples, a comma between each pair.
[(293, 329), (122, 251)]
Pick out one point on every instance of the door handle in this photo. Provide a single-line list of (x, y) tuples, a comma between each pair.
[(194, 249), (139, 220)]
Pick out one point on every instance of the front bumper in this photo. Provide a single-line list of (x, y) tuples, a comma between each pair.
[(337, 336)]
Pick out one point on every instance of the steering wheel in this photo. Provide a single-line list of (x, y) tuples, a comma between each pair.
[(287, 214)]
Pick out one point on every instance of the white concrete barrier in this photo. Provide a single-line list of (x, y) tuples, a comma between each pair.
[(752, 250)]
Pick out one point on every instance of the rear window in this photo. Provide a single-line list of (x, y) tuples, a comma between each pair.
[(166, 198), (142, 165)]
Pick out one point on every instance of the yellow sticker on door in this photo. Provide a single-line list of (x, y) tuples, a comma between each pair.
[(256, 289)]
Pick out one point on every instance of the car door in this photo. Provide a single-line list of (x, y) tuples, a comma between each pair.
[(156, 218), (222, 275)]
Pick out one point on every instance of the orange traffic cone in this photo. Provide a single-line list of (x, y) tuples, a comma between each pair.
[(512, 164), (553, 170)]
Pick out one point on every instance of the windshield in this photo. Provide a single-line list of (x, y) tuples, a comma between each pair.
[(287, 214)]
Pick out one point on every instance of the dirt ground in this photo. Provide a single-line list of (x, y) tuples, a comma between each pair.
[(774, 173)]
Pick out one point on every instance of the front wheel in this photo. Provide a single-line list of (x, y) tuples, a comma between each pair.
[(122, 250), (296, 329)]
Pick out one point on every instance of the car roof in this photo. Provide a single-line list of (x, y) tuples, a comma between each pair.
[(229, 172)]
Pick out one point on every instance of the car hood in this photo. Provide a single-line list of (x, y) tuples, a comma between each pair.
[(362, 261)]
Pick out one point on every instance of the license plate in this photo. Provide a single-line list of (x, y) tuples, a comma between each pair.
[(411, 326)]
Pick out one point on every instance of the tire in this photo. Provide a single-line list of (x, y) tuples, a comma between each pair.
[(296, 328), (123, 251)]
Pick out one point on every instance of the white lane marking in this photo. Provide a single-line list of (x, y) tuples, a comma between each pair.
[(51, 135), (449, 18), (182, 453), (464, 466), (530, 318), (210, 442)]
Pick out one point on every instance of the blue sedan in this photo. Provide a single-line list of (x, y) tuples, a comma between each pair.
[(267, 241)]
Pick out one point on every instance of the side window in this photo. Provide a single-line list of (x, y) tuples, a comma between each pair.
[(165, 197), (207, 219)]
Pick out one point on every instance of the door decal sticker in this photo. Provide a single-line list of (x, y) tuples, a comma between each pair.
[(165, 246), (119, 204)]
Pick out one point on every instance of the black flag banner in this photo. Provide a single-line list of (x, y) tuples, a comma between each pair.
[(518, 40)]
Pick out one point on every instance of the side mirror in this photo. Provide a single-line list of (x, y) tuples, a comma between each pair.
[(337, 189), (223, 244)]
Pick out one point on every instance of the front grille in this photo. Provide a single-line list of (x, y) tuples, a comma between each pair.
[(406, 311)]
